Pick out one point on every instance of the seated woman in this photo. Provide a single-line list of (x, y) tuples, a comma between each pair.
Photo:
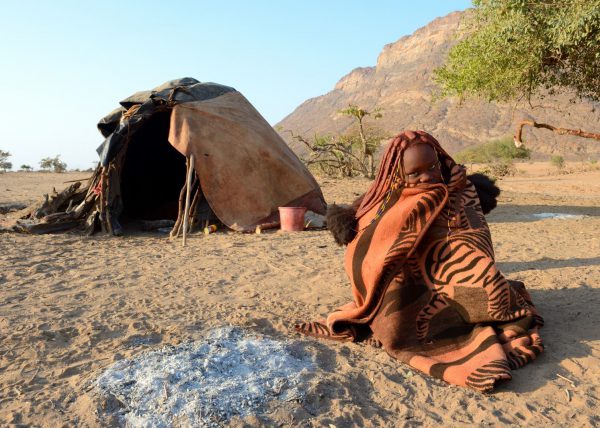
[(424, 281)]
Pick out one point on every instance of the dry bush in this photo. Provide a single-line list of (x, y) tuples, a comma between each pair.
[(499, 169)]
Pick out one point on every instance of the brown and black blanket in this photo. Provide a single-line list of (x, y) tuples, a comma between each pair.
[(425, 284)]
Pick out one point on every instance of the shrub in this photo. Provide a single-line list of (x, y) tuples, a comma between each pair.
[(557, 161), (499, 169), (340, 155), (503, 149)]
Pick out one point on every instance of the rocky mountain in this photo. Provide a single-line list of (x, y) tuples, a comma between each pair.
[(401, 85)]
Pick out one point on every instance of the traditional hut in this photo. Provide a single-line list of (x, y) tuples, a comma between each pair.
[(242, 169)]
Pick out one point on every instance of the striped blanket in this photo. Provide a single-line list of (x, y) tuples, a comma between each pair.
[(426, 287)]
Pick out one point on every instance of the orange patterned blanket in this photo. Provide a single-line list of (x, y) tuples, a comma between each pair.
[(425, 284)]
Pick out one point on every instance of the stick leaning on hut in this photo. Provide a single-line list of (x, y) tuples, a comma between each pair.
[(188, 182)]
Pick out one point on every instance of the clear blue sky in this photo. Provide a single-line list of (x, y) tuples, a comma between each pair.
[(65, 64)]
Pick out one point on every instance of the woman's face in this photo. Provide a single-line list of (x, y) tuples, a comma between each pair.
[(421, 165)]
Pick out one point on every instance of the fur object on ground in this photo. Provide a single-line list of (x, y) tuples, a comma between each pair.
[(487, 191)]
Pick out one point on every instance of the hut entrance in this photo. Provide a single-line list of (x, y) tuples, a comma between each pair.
[(153, 172)]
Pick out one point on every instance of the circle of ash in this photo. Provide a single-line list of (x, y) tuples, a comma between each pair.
[(231, 372)]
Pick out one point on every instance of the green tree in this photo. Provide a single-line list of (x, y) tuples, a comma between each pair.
[(25, 167), (54, 164), (514, 49), (367, 145), (4, 164), (46, 164)]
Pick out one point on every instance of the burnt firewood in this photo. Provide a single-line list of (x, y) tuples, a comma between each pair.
[(38, 228), (52, 203)]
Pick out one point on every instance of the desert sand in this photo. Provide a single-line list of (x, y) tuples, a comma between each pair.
[(70, 306)]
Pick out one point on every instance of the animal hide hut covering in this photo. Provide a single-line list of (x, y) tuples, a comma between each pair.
[(244, 169)]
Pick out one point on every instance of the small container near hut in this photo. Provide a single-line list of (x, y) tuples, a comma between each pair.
[(292, 218)]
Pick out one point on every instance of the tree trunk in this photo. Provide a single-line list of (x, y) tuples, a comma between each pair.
[(371, 166), (366, 157)]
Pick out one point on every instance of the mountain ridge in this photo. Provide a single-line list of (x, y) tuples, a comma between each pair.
[(400, 83)]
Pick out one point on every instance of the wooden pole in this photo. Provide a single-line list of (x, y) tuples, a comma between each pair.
[(188, 191)]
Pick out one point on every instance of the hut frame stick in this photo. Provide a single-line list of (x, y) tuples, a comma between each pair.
[(186, 212), (194, 205), (177, 226), (103, 199), (107, 199)]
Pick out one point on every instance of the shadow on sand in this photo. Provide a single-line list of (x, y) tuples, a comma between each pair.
[(547, 263), (571, 321)]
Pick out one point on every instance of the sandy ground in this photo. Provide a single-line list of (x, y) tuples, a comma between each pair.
[(72, 305)]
